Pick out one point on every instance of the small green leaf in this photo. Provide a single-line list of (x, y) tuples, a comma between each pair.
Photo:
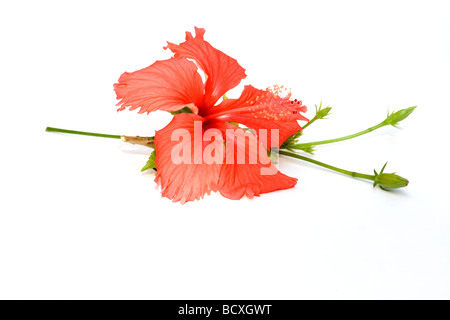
[(150, 162), (307, 149)]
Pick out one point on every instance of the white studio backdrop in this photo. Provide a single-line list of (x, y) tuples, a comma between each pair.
[(78, 220)]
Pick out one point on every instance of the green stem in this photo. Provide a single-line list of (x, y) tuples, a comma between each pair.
[(112, 136), (144, 141), (310, 122), (349, 173), (316, 143)]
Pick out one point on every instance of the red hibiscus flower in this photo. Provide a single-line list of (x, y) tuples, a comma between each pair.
[(173, 84)]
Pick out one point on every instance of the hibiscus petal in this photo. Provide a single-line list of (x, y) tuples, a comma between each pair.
[(184, 181), (223, 72), (167, 85), (263, 109), (250, 179)]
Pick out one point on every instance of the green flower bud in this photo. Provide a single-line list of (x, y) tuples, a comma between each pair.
[(389, 180), (322, 113), (395, 117)]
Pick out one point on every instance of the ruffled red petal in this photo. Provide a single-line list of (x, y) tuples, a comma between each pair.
[(167, 85), (223, 72), (183, 182), (251, 179), (263, 109)]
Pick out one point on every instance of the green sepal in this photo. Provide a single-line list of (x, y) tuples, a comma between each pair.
[(322, 113), (184, 110), (382, 169), (376, 174), (306, 148), (273, 154), (291, 140), (150, 162)]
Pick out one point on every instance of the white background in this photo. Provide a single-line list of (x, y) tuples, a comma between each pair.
[(79, 220)]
